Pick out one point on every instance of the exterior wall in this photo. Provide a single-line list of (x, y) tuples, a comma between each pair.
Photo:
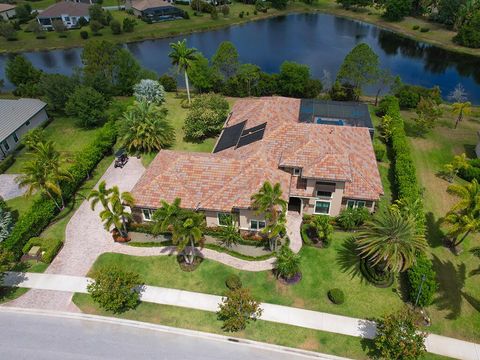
[(370, 205), (335, 200), (8, 14), (35, 121), (68, 21), (245, 217), (211, 218)]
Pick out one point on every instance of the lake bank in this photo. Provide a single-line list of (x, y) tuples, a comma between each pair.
[(437, 36)]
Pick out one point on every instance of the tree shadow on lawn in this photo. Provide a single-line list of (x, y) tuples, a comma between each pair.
[(475, 303), (348, 258), (434, 231), (451, 279)]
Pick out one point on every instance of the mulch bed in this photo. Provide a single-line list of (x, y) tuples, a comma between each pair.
[(197, 260), (290, 281)]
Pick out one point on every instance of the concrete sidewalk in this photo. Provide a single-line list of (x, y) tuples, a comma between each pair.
[(276, 313)]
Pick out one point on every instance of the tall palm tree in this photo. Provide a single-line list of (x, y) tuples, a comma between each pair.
[(145, 128), (100, 196), (464, 216), (183, 57), (269, 202), (166, 216), (391, 241), (188, 232), (115, 218), (461, 109), (118, 201), (43, 173)]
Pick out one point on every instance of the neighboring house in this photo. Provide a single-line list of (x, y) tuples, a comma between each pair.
[(7, 11), (18, 117), (321, 168), (66, 11), (91, 2), (154, 10)]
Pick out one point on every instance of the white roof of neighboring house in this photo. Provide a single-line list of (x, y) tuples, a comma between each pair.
[(15, 113), (142, 5), (6, 7)]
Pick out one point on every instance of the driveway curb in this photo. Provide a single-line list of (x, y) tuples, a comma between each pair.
[(172, 330)]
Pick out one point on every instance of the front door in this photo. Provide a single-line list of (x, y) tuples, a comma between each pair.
[(295, 204)]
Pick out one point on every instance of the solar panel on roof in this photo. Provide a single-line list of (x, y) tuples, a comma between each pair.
[(251, 137), (230, 136), (254, 129)]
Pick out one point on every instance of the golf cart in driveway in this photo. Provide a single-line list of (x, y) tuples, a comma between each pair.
[(121, 158)]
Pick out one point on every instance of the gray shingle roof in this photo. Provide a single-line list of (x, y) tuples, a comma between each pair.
[(15, 113)]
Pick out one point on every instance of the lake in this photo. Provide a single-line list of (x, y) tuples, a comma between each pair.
[(318, 40)]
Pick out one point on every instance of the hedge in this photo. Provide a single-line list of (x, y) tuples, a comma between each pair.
[(49, 246), (43, 210), (406, 187), (6, 163), (472, 171)]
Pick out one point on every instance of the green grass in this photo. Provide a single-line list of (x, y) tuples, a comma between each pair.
[(176, 116), (322, 269), (456, 311), (264, 331), (438, 34), (68, 139), (20, 204), (11, 293)]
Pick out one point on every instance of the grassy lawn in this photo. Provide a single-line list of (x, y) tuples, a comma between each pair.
[(456, 311), (11, 293), (437, 35), (176, 116), (322, 269), (264, 331)]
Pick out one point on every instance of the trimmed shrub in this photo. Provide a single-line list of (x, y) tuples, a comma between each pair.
[(43, 210), (416, 27), (115, 290), (49, 246), (350, 219), (336, 296), (380, 150), (424, 29), (84, 34), (423, 267), (470, 172), (6, 163), (304, 232), (233, 282), (168, 82)]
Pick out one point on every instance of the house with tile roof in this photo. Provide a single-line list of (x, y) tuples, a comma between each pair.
[(154, 10), (67, 12), (18, 117), (321, 167)]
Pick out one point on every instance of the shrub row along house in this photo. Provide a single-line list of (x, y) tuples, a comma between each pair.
[(319, 152), (17, 118)]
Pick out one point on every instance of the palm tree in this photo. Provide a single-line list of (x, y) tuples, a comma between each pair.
[(166, 216), (228, 235), (464, 216), (188, 232), (144, 128), (287, 264), (391, 241), (461, 109), (43, 173), (115, 217), (100, 196), (117, 202), (182, 57), (269, 202)]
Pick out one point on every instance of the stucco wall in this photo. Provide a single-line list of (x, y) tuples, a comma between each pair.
[(245, 216), (35, 121), (335, 200)]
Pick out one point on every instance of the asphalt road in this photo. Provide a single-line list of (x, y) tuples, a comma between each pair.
[(32, 336)]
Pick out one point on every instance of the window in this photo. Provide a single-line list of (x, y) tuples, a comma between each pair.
[(297, 171), (321, 193), (27, 123), (257, 224), (5, 145), (67, 19), (224, 219), (353, 204), (15, 137), (147, 214), (322, 207)]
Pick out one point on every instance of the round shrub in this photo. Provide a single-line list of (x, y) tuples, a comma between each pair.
[(336, 296), (424, 29), (84, 34), (233, 282), (416, 27)]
